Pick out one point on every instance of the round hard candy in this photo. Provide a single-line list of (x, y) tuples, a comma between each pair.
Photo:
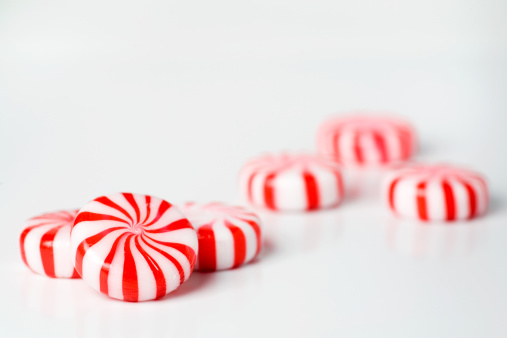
[(292, 182), (45, 244), (133, 247), (228, 236), (366, 140), (437, 192)]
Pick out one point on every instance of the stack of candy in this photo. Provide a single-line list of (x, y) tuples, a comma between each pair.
[(136, 247)]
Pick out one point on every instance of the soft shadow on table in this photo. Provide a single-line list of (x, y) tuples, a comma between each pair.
[(437, 239), (268, 249), (197, 281), (289, 233), (496, 204)]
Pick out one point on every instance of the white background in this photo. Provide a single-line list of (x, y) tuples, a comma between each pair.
[(171, 98)]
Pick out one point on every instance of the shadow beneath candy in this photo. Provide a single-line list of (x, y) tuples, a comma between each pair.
[(197, 281), (268, 249), (496, 204), (285, 233), (434, 239)]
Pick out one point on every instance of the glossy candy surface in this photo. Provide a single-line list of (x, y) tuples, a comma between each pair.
[(366, 140), (291, 182), (228, 236), (431, 193), (45, 244), (133, 247)]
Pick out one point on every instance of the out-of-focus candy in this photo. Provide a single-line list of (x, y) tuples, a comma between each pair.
[(45, 244), (292, 182), (366, 140), (228, 236), (432, 193), (133, 247)]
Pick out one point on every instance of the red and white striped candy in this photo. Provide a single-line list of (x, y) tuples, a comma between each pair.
[(133, 247), (292, 182), (438, 192), (45, 244), (366, 140), (228, 236)]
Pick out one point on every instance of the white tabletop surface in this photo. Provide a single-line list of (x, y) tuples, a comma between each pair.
[(171, 98)]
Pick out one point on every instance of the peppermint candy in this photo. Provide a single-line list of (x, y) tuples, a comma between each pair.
[(432, 193), (133, 247), (292, 182), (228, 236), (366, 140), (45, 244)]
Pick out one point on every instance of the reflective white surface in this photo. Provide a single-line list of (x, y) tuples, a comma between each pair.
[(171, 99), (352, 271)]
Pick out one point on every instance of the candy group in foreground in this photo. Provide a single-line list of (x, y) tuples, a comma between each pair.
[(366, 140), (45, 244), (292, 182), (228, 236), (133, 247), (431, 193)]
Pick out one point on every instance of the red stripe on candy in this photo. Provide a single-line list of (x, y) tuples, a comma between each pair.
[(357, 148), (104, 270), (269, 191), (449, 201), (207, 248), (163, 207), (106, 201), (130, 286), (392, 187), (46, 251), (312, 190), (130, 198), (88, 243), (381, 146), (93, 217), (155, 269), (148, 208), (421, 201), (472, 199), (184, 249), (176, 225), (171, 259)]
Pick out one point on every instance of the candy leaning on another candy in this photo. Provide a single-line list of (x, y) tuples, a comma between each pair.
[(45, 244), (291, 182), (435, 193), (133, 247), (228, 236)]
